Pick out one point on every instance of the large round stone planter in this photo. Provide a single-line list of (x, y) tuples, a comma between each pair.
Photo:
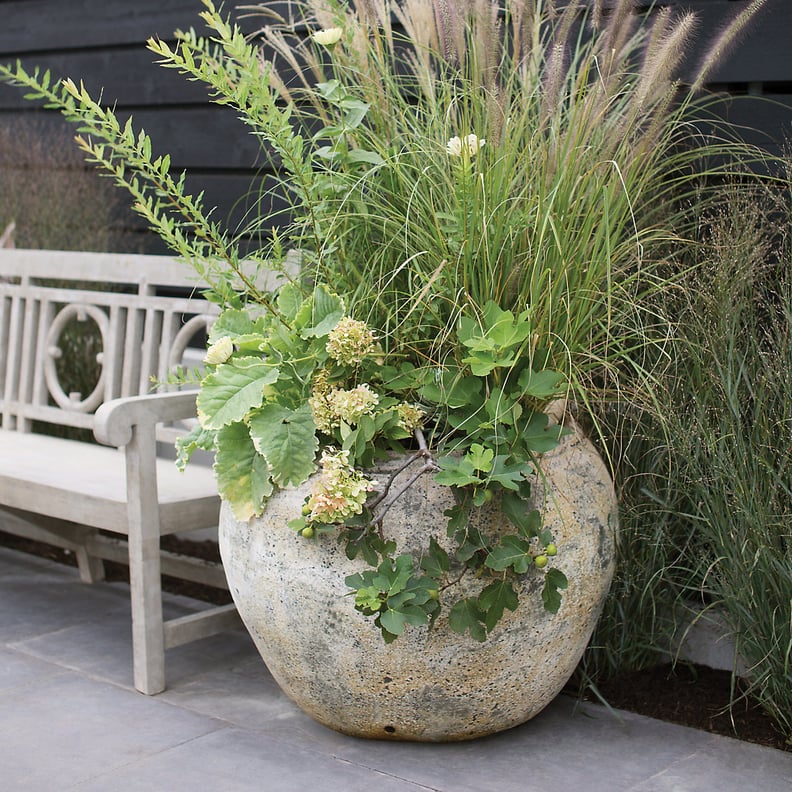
[(429, 684)]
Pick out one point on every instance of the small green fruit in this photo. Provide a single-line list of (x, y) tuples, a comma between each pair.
[(551, 549), (307, 532), (540, 561), (306, 510), (434, 594)]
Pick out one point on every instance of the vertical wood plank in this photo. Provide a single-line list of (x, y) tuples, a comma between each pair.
[(152, 332), (132, 350), (5, 338), (113, 352), (40, 391), (28, 341), (11, 366)]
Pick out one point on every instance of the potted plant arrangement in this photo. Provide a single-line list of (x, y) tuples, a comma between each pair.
[(416, 532)]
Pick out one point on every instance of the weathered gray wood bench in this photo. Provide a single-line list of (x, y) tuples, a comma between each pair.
[(78, 494)]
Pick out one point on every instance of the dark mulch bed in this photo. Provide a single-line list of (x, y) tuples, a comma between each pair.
[(694, 696)]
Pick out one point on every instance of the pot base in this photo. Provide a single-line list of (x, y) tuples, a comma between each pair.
[(430, 684)]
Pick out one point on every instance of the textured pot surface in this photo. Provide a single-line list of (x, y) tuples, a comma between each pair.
[(429, 684)]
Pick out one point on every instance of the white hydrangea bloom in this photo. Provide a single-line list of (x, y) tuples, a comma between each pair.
[(328, 36), (220, 351), (340, 492), (350, 341), (351, 405)]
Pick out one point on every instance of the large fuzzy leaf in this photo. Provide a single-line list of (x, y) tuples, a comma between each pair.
[(319, 314), (287, 440), (230, 392), (243, 477)]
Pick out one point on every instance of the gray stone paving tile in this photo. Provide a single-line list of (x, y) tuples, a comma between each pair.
[(245, 694), (69, 729), (103, 647), (725, 765), (18, 670), (236, 760), (241, 692), (562, 748), (33, 605)]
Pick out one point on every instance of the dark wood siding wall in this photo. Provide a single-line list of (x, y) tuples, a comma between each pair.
[(758, 65), (103, 43)]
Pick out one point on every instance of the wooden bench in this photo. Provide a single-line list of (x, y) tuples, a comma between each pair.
[(79, 494)]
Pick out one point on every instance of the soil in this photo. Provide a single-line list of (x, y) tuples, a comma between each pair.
[(690, 695), (696, 696)]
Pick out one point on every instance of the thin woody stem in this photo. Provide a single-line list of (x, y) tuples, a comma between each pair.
[(392, 477), (427, 467), (386, 498), (456, 580)]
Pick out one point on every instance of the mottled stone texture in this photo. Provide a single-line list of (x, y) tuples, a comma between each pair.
[(430, 684)]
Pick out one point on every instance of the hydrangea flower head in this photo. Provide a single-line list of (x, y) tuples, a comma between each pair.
[(410, 417), (330, 406), (351, 405), (340, 492), (350, 341)]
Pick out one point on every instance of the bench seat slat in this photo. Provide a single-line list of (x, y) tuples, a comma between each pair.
[(86, 484)]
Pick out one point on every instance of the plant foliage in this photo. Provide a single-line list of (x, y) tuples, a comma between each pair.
[(478, 192)]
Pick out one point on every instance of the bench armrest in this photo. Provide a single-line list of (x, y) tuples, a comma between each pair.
[(115, 420)]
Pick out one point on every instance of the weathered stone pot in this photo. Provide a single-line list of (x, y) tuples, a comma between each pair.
[(429, 684)]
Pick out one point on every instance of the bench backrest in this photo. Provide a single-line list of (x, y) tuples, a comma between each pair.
[(148, 319)]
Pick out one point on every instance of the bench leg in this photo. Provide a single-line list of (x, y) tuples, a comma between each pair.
[(91, 567), (69, 536), (148, 636)]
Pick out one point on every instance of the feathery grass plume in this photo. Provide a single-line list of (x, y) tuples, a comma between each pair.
[(615, 30), (664, 52), (554, 79), (728, 37), (451, 34), (557, 212)]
